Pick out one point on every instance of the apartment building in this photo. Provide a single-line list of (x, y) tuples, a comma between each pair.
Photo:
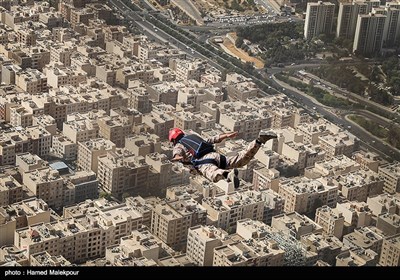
[(84, 184), (166, 92), (224, 211), (64, 148), (143, 144), (331, 220), (356, 214), (306, 195), (58, 75), (120, 172), (357, 257), (21, 214), (139, 99), (10, 190), (45, 183), (32, 81), (348, 15), (139, 244), (321, 248), (342, 143), (295, 225), (27, 162), (81, 128), (115, 129), (201, 241), (188, 70), (319, 19), (368, 39), (274, 205), (360, 185), (335, 167), (389, 224), (383, 203), (390, 251), (89, 152), (367, 160), (391, 176), (172, 220), (366, 238)]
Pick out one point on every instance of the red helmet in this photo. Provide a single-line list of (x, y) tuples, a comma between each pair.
[(174, 134)]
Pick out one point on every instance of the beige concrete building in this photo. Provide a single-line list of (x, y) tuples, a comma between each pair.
[(139, 99), (141, 206), (383, 203), (366, 238), (89, 152), (319, 19), (391, 176), (306, 195), (47, 184), (356, 214), (369, 36), (322, 248), (121, 172), (172, 220), (166, 92), (390, 251), (163, 167), (188, 70), (139, 244), (31, 80), (27, 162), (358, 186), (331, 220), (224, 211), (45, 259), (265, 178), (201, 242), (33, 139), (143, 144), (274, 205), (295, 225), (336, 166), (312, 131), (357, 257), (84, 185), (160, 123), (62, 52), (134, 71), (64, 148), (12, 256), (236, 116), (268, 157), (367, 160), (21, 214), (389, 223), (115, 129), (10, 190), (46, 122), (20, 116), (59, 75), (81, 129), (343, 143), (240, 88)]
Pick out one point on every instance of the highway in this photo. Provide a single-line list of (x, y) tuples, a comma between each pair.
[(368, 141)]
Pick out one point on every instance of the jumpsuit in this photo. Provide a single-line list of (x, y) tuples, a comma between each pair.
[(212, 171)]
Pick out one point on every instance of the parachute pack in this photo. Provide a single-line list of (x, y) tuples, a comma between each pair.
[(196, 146)]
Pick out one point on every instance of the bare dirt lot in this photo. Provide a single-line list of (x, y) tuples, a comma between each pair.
[(230, 48)]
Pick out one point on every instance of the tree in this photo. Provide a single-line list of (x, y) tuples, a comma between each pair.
[(105, 195), (239, 42), (125, 195)]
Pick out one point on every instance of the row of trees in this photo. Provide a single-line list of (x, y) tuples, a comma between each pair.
[(319, 94)]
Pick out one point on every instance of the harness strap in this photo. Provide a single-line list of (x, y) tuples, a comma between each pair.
[(222, 162), (197, 162)]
